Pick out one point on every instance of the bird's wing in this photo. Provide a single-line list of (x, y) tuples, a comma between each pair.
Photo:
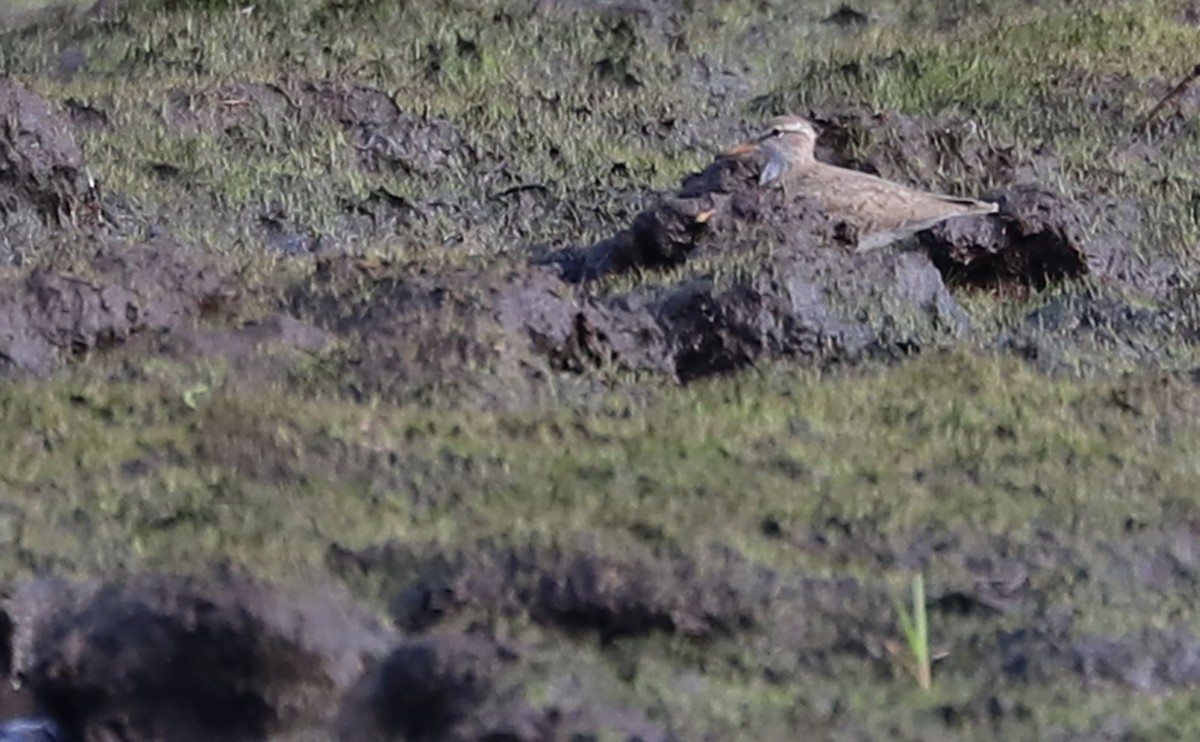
[(775, 167), (878, 204)]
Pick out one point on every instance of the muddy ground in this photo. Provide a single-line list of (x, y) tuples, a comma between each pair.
[(379, 371)]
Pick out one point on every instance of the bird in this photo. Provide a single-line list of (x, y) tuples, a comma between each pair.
[(881, 212)]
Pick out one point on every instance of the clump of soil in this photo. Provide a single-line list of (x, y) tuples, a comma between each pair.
[(465, 687), (54, 315), (811, 304), (794, 622), (162, 657), (44, 186), (571, 589), (1035, 240)]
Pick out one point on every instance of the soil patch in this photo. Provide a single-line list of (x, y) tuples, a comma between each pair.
[(466, 687), (570, 589), (794, 622), (386, 137), (182, 658), (44, 186), (51, 316)]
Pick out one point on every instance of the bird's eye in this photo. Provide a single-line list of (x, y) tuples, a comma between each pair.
[(776, 131)]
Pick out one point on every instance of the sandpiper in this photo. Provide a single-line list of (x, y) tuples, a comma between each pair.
[(881, 211)]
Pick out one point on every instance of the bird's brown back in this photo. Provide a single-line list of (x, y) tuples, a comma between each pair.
[(873, 204)]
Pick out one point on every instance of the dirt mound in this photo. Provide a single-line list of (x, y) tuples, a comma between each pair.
[(424, 689), (795, 297), (813, 305), (801, 296), (43, 183), (465, 687), (1035, 240), (186, 659), (409, 334), (792, 622), (51, 316), (570, 589)]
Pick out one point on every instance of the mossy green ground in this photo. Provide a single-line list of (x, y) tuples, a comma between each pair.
[(133, 464)]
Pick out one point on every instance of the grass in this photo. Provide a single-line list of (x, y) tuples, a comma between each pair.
[(915, 625), (126, 476), (545, 101), (126, 463)]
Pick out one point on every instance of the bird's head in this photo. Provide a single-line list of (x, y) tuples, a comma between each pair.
[(794, 134)]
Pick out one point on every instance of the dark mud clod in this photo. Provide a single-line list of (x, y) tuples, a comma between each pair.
[(43, 182), (52, 316), (1037, 239), (847, 17), (453, 687), (187, 659)]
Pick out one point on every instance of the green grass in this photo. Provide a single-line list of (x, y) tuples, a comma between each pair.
[(528, 86), (700, 466), (915, 625), (127, 476)]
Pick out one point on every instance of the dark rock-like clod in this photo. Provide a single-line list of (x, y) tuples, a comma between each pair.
[(466, 688), (809, 304), (52, 315), (571, 589), (152, 658), (43, 182), (423, 690), (1040, 238), (1036, 239)]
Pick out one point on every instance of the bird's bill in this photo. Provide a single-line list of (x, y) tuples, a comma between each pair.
[(741, 149), (751, 145)]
